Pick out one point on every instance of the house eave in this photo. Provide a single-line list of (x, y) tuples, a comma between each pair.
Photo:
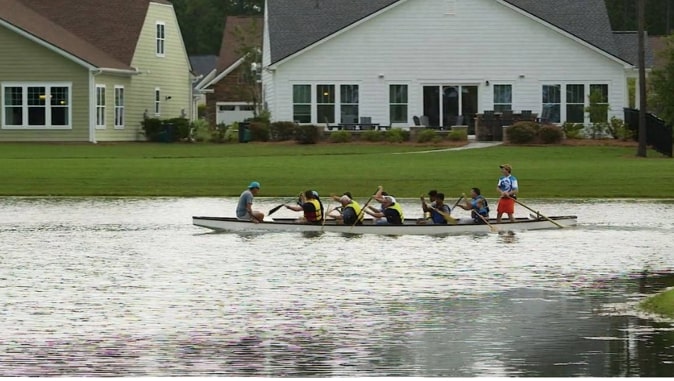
[(225, 72)]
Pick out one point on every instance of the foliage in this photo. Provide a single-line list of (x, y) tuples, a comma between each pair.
[(573, 130), (218, 133), (340, 137), (281, 131), (152, 127), (231, 133), (662, 85), (523, 132), (249, 46), (598, 111), (550, 134), (180, 129), (618, 130), (396, 135), (662, 304), (372, 136), (308, 134), (458, 135), (199, 130), (166, 130), (428, 135), (201, 111), (598, 130), (259, 131)]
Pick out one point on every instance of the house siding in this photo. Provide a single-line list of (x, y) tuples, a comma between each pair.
[(129, 131), (170, 73), (25, 61), (419, 42)]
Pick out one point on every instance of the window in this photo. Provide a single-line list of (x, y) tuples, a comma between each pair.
[(36, 105), (325, 101), (119, 107), (157, 101), (551, 103), (503, 98), (100, 106), (349, 103), (398, 103), (161, 39), (599, 97), (226, 108), (302, 103), (575, 103)]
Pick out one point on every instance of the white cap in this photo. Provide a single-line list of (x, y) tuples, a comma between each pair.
[(344, 199)]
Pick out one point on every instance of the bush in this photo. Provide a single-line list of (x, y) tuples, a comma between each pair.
[(619, 130), (152, 128), (522, 132), (218, 133), (372, 136), (181, 129), (573, 130), (396, 135), (340, 137), (550, 134), (199, 130), (427, 135), (308, 134), (457, 136), (598, 130), (259, 131), (281, 131), (231, 133)]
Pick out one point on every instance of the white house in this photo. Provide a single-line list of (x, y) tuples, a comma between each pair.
[(334, 61)]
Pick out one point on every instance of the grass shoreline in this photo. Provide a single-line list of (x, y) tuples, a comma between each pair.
[(660, 304), (209, 170)]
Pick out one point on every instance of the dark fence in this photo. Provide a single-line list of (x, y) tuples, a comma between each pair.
[(658, 134)]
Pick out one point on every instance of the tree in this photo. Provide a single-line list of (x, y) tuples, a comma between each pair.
[(641, 151), (249, 46), (662, 84)]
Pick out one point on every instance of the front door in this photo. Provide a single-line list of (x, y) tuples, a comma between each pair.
[(445, 105)]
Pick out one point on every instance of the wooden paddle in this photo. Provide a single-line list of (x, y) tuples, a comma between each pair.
[(362, 210), (539, 213), (491, 227), (445, 215)]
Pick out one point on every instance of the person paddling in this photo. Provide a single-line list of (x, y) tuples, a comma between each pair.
[(477, 205), (312, 208)]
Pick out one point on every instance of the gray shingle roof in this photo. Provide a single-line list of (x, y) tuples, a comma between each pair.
[(203, 64), (297, 24)]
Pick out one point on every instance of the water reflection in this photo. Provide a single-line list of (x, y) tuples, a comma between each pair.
[(127, 287)]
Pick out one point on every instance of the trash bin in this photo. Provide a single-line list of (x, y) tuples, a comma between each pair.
[(166, 133), (244, 132)]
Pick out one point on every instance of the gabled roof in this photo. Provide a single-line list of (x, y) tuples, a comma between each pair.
[(231, 43), (203, 64), (102, 33), (297, 24)]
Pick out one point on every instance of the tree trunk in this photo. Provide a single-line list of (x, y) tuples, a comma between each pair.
[(641, 9)]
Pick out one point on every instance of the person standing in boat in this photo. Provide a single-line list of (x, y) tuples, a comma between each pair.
[(244, 209), (477, 205), (507, 187), (311, 207), (390, 212), (351, 210)]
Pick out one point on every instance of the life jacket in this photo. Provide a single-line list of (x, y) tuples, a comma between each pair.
[(484, 211), (439, 218), (357, 209), (315, 215), (392, 213)]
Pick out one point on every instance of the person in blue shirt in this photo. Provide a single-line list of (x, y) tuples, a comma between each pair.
[(439, 206), (244, 209), (507, 187), (477, 205)]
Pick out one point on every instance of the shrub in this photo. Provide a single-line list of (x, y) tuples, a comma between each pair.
[(281, 131), (458, 135), (427, 135), (598, 130), (619, 130), (218, 133), (179, 130), (550, 134), (199, 130), (573, 130), (396, 135), (340, 137), (372, 136), (522, 132), (308, 134), (230, 134), (259, 131), (152, 128)]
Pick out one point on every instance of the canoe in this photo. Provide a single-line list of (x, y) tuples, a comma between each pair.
[(410, 226)]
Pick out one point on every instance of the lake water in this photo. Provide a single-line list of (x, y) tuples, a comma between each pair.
[(128, 287)]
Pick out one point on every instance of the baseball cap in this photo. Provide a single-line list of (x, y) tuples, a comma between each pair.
[(507, 167), (254, 184)]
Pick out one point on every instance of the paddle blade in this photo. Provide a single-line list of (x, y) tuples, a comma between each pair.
[(274, 209)]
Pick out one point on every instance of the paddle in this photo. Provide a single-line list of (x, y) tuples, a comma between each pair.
[(458, 201), (491, 227), (445, 215), (362, 210), (274, 209), (538, 213)]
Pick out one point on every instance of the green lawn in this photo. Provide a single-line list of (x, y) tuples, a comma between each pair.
[(145, 169), (661, 304)]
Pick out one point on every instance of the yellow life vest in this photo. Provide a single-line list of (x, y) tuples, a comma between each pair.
[(357, 209), (397, 207), (317, 207)]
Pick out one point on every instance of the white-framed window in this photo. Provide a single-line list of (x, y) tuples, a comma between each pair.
[(503, 97), (349, 103), (575, 103), (100, 106), (161, 39), (36, 105), (302, 103), (552, 103), (119, 106), (325, 103), (600, 91), (398, 99), (157, 101)]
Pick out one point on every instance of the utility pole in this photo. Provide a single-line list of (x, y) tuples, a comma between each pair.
[(641, 11)]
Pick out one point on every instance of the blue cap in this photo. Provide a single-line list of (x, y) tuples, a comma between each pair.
[(254, 184), (315, 193)]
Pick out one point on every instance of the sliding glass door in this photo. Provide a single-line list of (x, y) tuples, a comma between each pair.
[(445, 105)]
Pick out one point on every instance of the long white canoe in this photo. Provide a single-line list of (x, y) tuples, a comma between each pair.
[(410, 227)]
